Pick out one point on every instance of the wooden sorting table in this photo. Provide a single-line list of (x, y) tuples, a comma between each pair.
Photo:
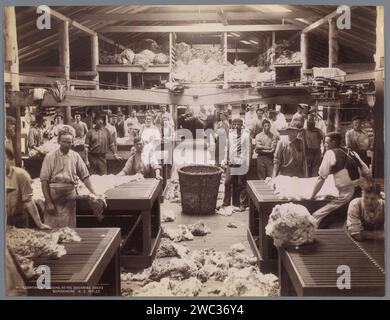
[(262, 200), (313, 272), (90, 267), (135, 208)]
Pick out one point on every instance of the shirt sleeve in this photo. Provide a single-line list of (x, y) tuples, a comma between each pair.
[(354, 223), (328, 161), (129, 164), (278, 153), (30, 139), (153, 160), (348, 140), (24, 181), (85, 128), (46, 171), (87, 142), (81, 168)]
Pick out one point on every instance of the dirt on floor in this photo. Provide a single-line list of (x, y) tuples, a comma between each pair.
[(201, 256)]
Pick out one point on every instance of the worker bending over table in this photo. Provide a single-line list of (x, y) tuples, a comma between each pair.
[(366, 215), (347, 169), (142, 162), (60, 172)]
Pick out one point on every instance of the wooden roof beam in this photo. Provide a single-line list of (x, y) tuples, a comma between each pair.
[(200, 28), (81, 27), (322, 21), (189, 16)]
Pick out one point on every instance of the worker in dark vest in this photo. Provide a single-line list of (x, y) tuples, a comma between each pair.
[(339, 161)]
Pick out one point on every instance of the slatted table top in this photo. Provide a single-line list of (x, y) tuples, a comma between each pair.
[(132, 194), (84, 262), (315, 270)]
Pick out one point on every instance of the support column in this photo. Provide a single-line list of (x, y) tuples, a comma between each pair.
[(12, 64), (333, 43), (95, 58), (304, 51), (378, 168), (65, 62)]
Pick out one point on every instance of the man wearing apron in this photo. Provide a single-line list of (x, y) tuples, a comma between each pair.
[(59, 174)]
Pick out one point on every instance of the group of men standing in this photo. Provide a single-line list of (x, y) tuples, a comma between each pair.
[(306, 150)]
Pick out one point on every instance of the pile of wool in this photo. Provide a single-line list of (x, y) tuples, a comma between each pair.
[(198, 272), (198, 64), (249, 282), (144, 58), (168, 216), (291, 224), (169, 249), (199, 229), (26, 244), (161, 58), (294, 188), (173, 191), (181, 233), (167, 287)]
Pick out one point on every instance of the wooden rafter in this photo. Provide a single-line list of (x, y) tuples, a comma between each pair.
[(194, 16), (200, 28)]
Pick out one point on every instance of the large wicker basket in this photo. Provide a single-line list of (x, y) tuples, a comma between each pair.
[(199, 186)]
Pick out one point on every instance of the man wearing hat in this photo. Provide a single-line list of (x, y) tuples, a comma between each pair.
[(289, 157), (236, 162), (120, 125), (356, 139), (97, 142)]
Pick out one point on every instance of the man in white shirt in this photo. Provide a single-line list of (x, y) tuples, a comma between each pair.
[(251, 118), (237, 162), (335, 160), (280, 120)]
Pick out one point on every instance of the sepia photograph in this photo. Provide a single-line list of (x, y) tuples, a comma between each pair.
[(194, 150)]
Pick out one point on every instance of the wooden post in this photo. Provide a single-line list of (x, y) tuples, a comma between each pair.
[(333, 44), (304, 51), (95, 58), (12, 65), (378, 168), (65, 62), (333, 121)]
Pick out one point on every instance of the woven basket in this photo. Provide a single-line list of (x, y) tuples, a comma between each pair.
[(199, 186)]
